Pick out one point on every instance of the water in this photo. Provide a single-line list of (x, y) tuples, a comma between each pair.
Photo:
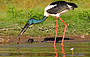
[(45, 49)]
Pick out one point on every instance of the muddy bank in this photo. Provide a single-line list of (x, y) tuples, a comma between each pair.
[(13, 39)]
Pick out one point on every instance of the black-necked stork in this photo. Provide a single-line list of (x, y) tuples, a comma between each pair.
[(56, 9)]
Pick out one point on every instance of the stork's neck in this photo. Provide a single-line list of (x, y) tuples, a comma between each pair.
[(43, 19), (34, 21)]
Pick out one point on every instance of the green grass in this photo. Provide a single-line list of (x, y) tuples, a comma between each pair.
[(18, 12)]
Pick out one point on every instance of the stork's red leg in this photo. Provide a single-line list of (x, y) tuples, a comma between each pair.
[(62, 45), (55, 38)]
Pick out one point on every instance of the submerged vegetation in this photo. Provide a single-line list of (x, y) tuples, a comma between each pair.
[(15, 13)]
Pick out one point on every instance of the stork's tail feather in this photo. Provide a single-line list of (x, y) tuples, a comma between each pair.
[(73, 5)]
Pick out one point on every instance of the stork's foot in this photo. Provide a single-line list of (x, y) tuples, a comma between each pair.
[(55, 51), (62, 48), (63, 52), (56, 55)]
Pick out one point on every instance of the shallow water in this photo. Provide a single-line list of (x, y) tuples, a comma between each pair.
[(45, 49)]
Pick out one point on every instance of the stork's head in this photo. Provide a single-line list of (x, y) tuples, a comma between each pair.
[(30, 22)]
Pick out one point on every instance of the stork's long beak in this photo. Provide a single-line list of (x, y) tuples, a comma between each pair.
[(24, 29)]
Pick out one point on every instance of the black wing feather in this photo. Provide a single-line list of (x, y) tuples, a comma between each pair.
[(61, 5), (57, 9)]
